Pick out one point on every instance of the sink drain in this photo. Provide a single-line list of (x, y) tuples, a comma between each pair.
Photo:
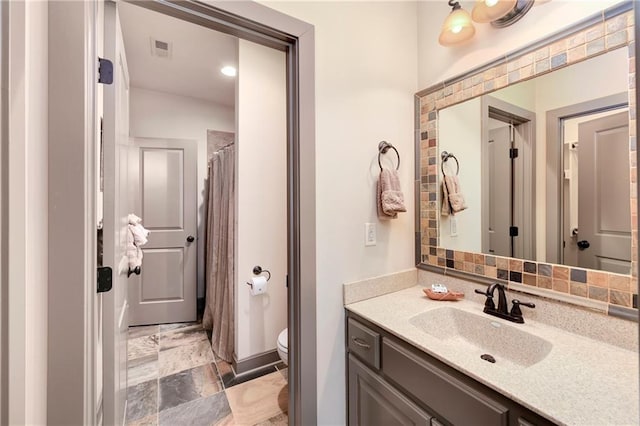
[(488, 358)]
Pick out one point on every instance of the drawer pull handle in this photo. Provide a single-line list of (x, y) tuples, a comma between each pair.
[(358, 341)]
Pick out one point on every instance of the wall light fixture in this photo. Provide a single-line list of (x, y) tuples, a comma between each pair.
[(501, 13), (458, 27)]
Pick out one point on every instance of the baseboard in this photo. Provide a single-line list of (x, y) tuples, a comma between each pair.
[(255, 362)]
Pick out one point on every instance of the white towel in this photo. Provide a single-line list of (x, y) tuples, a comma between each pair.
[(136, 238), (390, 197)]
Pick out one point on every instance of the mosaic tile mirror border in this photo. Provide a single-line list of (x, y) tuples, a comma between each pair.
[(612, 30)]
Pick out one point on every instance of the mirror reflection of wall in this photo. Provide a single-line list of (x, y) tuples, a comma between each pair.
[(507, 197)]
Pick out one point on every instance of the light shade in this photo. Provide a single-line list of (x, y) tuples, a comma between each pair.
[(457, 28), (489, 10)]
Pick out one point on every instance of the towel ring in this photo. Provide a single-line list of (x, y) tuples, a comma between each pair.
[(445, 156), (383, 147)]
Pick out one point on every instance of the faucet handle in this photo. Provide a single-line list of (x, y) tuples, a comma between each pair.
[(488, 304), (515, 309)]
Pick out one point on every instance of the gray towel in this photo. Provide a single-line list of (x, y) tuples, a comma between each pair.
[(390, 196)]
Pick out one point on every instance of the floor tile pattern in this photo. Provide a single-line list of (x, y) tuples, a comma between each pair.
[(175, 379)]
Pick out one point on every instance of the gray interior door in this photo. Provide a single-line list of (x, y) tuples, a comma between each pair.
[(500, 202), (163, 189), (116, 207), (604, 221)]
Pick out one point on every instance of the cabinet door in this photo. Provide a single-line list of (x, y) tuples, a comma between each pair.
[(373, 402)]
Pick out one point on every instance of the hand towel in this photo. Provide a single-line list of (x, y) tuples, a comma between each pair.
[(446, 207), (451, 186), (132, 219), (140, 233), (381, 213), (134, 253), (136, 238), (390, 196)]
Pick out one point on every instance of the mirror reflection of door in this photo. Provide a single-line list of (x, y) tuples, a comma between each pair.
[(500, 189), (508, 229), (597, 192)]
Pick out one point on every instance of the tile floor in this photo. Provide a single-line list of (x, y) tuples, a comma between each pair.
[(175, 379)]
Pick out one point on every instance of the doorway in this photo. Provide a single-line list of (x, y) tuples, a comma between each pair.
[(249, 21), (596, 191), (563, 184), (508, 184), (179, 93)]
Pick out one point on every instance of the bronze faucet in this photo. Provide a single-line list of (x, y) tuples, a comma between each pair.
[(502, 312)]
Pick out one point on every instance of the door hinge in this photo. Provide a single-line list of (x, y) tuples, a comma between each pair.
[(513, 153), (105, 281), (513, 231), (105, 71)]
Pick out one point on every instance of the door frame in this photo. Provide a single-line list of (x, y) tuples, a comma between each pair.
[(554, 181), (72, 255), (524, 216), (4, 210)]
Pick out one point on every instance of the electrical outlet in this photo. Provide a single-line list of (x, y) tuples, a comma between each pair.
[(369, 234), (453, 221)]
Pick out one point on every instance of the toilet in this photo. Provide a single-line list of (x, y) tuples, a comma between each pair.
[(283, 343)]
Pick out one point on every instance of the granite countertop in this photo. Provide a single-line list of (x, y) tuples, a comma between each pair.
[(581, 381)]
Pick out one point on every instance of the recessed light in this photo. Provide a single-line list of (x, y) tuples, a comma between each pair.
[(229, 71)]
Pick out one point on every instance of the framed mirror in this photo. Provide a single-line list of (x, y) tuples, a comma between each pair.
[(537, 154)]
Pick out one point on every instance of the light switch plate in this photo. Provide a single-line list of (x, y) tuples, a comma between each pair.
[(369, 234), (454, 226)]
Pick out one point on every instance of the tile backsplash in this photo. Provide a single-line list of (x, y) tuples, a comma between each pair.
[(605, 35)]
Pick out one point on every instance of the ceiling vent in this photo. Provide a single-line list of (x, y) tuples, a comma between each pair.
[(161, 49)]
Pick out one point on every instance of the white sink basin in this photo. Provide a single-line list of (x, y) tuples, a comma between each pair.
[(481, 334)]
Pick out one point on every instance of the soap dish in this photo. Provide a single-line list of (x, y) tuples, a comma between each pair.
[(449, 295)]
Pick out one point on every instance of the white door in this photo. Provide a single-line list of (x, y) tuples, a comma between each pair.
[(604, 221), (116, 208), (163, 184)]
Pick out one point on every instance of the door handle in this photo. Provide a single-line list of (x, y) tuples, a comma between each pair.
[(190, 239), (360, 342), (583, 245)]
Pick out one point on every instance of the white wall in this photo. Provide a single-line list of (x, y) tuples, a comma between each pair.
[(365, 80), (261, 194), (164, 115), (460, 132), (28, 204), (522, 94), (437, 63)]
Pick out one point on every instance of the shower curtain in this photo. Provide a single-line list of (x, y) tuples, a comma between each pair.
[(220, 284)]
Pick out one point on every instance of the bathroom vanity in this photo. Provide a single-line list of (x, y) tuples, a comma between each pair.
[(411, 360)]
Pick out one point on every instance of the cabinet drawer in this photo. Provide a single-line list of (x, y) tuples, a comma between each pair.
[(373, 402), (364, 343), (449, 397)]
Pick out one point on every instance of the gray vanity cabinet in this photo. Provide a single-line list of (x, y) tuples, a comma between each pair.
[(393, 383), (374, 402)]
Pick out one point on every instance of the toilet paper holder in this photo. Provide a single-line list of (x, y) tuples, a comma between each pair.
[(257, 270)]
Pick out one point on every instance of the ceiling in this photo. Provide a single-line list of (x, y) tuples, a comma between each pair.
[(197, 54)]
